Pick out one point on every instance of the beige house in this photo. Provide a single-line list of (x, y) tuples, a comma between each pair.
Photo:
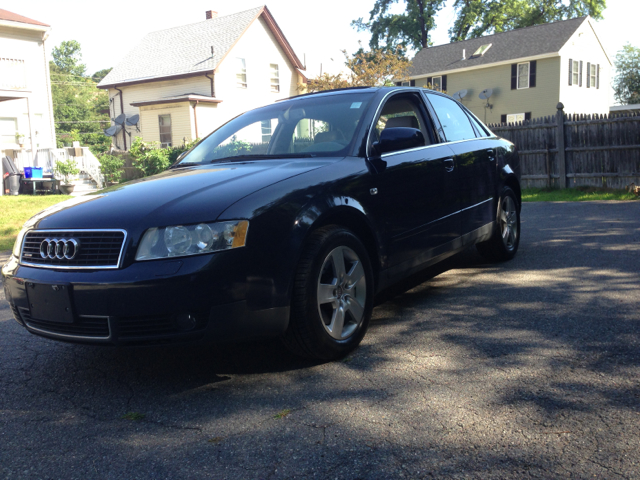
[(26, 108), (528, 70), (186, 81)]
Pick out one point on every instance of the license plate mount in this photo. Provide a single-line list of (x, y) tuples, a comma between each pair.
[(50, 302)]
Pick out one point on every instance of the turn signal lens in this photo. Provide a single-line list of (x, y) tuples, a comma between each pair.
[(183, 240)]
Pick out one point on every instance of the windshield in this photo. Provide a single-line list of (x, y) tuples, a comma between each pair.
[(322, 125)]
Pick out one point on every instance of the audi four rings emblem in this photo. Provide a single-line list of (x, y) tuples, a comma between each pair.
[(59, 248)]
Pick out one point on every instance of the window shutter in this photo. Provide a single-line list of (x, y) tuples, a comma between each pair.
[(398, 84), (503, 119), (514, 76), (412, 83), (588, 75), (444, 83), (527, 115), (580, 74), (598, 76), (429, 82), (532, 73), (570, 70)]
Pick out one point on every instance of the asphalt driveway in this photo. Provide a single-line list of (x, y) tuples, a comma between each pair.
[(518, 370)]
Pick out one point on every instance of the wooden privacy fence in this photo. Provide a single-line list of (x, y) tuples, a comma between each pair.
[(576, 150)]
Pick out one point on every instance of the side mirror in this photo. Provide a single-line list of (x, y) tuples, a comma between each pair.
[(400, 138)]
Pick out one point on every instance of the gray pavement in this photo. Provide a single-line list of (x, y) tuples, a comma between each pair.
[(528, 369)]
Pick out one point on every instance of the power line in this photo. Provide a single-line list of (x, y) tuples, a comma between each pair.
[(88, 121)]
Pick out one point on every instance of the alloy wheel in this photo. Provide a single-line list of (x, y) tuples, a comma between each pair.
[(341, 293)]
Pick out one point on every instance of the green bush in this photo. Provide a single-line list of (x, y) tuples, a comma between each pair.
[(149, 157), (111, 167), (66, 168)]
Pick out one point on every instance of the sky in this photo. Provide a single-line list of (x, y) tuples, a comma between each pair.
[(318, 31)]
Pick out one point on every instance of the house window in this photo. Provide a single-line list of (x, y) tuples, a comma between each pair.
[(241, 75), (575, 72), (436, 84), (275, 78), (266, 130), (165, 130), (405, 84), (8, 130), (523, 75), (592, 76), (515, 117)]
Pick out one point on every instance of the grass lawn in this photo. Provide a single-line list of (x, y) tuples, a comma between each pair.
[(15, 210), (577, 194)]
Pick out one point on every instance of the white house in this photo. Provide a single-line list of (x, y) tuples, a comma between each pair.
[(186, 81), (26, 108)]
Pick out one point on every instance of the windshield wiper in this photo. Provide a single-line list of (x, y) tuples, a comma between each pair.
[(186, 164), (239, 158)]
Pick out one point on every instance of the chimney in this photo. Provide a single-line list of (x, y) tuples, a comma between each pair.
[(211, 14)]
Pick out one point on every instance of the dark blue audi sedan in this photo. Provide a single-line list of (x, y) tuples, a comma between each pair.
[(285, 222)]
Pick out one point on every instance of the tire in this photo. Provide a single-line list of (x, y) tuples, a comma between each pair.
[(332, 295), (504, 241)]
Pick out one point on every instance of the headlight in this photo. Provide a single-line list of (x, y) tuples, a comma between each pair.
[(17, 247), (182, 240)]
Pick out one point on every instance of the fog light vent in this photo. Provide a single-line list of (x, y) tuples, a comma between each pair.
[(185, 322)]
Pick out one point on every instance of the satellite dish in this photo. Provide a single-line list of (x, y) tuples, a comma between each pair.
[(133, 120), (486, 93), (120, 119), (460, 94), (111, 131)]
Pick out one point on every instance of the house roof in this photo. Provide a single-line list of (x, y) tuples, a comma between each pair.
[(187, 97), (186, 50), (14, 17), (515, 44)]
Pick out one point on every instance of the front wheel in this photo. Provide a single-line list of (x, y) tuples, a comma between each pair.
[(505, 239), (332, 296)]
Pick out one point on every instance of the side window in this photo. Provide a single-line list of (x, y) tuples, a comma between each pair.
[(482, 130), (401, 111), (454, 121)]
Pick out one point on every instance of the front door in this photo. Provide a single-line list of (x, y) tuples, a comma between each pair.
[(417, 198)]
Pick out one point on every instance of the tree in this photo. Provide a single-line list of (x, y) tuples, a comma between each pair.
[(476, 18), (80, 110), (373, 68), (100, 74), (409, 29), (67, 58), (626, 86)]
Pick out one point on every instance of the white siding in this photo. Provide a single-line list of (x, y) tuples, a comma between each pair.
[(260, 49), (181, 122), (27, 45), (584, 46)]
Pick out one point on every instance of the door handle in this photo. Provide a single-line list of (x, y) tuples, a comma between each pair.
[(448, 164), (491, 154)]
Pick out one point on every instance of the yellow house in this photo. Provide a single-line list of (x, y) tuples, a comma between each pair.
[(526, 71), (182, 83)]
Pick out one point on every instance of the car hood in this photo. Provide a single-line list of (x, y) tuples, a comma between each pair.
[(179, 196)]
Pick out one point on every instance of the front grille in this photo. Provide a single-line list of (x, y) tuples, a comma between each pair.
[(97, 248), (153, 326), (93, 327)]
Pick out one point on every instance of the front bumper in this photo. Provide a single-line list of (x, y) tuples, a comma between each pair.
[(208, 297)]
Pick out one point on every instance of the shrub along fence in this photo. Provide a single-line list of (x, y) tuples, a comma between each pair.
[(576, 150)]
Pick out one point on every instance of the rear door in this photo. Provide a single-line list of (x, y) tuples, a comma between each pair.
[(475, 159)]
